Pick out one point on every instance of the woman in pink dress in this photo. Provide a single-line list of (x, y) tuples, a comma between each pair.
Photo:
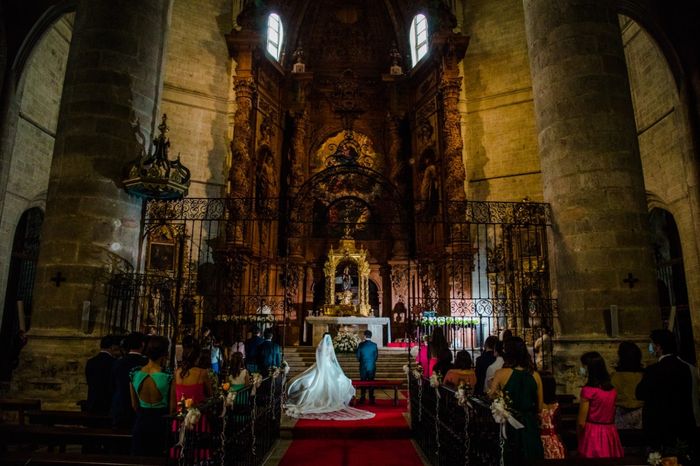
[(597, 434), (195, 384)]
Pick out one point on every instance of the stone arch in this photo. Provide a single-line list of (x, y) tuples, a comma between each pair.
[(671, 280), (31, 119), (19, 289), (665, 140), (640, 13)]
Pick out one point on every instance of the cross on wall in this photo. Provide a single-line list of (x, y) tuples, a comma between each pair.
[(58, 279), (630, 280)]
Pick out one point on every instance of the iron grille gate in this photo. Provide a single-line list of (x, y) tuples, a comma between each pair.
[(481, 268)]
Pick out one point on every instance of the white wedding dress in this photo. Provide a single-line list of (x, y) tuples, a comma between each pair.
[(323, 391)]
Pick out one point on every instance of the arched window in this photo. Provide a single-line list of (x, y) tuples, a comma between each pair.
[(419, 38), (275, 35)]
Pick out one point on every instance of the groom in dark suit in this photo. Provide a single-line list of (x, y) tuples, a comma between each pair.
[(367, 355)]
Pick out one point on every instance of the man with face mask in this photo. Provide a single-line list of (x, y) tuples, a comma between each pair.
[(665, 388)]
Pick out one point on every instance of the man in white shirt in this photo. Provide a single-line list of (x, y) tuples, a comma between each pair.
[(497, 364)]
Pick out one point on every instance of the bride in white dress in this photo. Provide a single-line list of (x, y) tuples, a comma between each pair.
[(323, 391)]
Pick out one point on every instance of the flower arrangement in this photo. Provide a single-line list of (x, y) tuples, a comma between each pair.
[(345, 342), (462, 394), (447, 320), (654, 458), (500, 410), (255, 381), (249, 319), (418, 372)]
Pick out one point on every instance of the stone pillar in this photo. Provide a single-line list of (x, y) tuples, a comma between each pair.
[(591, 171), (92, 226)]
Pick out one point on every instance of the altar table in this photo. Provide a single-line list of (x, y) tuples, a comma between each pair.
[(320, 325)]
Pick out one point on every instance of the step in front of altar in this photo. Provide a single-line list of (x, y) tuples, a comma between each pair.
[(389, 363)]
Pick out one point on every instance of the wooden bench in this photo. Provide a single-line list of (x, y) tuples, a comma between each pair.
[(19, 405), (77, 459), (68, 418), (116, 440), (395, 384)]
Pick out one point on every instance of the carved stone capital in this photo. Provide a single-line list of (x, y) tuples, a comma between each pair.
[(245, 88)]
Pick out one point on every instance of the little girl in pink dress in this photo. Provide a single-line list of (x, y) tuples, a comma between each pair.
[(597, 434)]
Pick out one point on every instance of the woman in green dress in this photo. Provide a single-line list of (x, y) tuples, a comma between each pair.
[(522, 388)]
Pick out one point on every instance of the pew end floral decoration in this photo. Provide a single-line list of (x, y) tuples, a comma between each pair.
[(502, 414), (462, 394), (255, 380)]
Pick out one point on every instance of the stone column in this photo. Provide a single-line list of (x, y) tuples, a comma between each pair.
[(591, 171), (92, 226)]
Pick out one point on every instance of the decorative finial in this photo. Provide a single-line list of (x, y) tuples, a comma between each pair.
[(298, 57), (395, 55), (154, 175)]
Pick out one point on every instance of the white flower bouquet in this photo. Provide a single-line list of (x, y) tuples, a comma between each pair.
[(500, 410), (345, 342)]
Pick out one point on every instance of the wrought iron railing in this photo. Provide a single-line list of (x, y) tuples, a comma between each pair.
[(215, 262), (448, 433), (471, 321), (237, 434)]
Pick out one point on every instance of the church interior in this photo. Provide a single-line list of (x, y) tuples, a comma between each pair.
[(203, 168)]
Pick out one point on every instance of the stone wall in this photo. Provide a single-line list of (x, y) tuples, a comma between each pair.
[(501, 154), (670, 177), (197, 92), (39, 97)]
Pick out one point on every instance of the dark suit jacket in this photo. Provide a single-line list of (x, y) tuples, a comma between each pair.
[(251, 349), (98, 372), (367, 354), (482, 363), (666, 390), (122, 413), (269, 354)]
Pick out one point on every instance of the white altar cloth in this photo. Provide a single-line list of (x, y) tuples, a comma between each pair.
[(320, 325)]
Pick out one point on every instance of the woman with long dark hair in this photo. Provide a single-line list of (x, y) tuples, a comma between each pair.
[(238, 374), (628, 373), (440, 354), (193, 386), (523, 390), (153, 398), (597, 434)]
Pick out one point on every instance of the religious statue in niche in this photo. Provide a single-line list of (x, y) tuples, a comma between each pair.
[(346, 280), (429, 190), (266, 182)]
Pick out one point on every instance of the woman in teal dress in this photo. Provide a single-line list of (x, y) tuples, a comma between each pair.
[(523, 389), (153, 399)]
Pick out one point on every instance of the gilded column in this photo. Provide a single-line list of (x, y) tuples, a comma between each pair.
[(455, 174), (240, 179)]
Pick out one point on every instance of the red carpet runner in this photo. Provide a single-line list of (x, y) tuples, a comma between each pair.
[(382, 440)]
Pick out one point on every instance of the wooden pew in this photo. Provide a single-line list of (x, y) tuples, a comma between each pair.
[(395, 384), (68, 418), (115, 440), (19, 405), (76, 459), (629, 461)]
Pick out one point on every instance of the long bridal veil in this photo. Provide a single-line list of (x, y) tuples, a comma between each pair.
[(323, 391)]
